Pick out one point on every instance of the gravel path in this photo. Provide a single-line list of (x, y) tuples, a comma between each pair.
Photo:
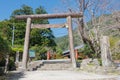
[(59, 75)]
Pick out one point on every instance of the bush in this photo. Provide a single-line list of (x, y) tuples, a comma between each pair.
[(100, 62), (116, 56), (58, 56), (87, 52)]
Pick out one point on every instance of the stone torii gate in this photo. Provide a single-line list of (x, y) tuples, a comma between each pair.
[(29, 18)]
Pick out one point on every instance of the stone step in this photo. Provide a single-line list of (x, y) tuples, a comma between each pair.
[(34, 65), (60, 64), (55, 66)]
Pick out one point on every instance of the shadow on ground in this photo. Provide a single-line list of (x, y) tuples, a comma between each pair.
[(15, 75)]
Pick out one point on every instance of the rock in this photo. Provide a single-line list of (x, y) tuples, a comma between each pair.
[(96, 62), (90, 65), (93, 66), (84, 63)]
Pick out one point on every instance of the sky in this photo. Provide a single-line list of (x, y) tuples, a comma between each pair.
[(8, 6), (51, 6)]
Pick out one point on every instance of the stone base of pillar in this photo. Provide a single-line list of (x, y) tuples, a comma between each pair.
[(19, 67)]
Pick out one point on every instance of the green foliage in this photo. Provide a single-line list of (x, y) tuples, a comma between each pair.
[(5, 30), (17, 48), (40, 37), (113, 41), (58, 50), (4, 49), (100, 61), (25, 10), (5, 40), (58, 53), (116, 56), (11, 65), (57, 56), (62, 43), (19, 33), (40, 10), (20, 25), (115, 47), (86, 52), (87, 49)]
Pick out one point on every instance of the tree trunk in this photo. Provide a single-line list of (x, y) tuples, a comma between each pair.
[(84, 36), (6, 64), (17, 56)]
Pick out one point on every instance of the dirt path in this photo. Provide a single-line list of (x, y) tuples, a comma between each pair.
[(59, 75)]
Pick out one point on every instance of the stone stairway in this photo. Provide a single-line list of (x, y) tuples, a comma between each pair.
[(34, 65), (59, 64)]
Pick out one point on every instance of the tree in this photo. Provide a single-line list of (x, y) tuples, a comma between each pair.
[(4, 52), (38, 37), (4, 48), (5, 30), (90, 9), (5, 42)]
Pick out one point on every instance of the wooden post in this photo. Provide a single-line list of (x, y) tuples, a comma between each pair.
[(48, 55), (76, 54), (26, 44), (72, 54), (105, 52)]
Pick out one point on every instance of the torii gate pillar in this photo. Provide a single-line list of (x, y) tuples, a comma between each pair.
[(71, 44), (26, 44)]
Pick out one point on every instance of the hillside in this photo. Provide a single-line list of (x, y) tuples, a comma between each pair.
[(63, 43)]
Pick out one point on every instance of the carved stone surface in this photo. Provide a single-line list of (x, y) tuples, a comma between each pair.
[(105, 52)]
